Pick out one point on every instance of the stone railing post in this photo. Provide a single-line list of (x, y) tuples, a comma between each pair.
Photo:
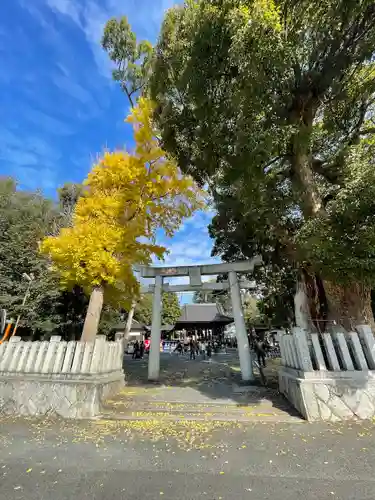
[(302, 348), (368, 342), (97, 355), (78, 356), (319, 358), (87, 357), (331, 353)]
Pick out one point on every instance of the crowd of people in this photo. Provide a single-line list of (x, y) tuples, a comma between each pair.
[(139, 350), (197, 348), (204, 349)]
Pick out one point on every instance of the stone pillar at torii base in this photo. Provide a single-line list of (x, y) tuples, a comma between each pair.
[(241, 333), (195, 273), (154, 356)]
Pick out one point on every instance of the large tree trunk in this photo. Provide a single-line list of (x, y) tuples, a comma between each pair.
[(310, 301), (129, 319), (94, 310), (129, 322), (327, 302), (302, 307), (349, 305), (321, 304)]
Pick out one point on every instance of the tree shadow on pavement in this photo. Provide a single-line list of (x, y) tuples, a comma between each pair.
[(206, 383)]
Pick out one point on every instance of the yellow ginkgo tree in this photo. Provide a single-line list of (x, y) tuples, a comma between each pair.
[(127, 198)]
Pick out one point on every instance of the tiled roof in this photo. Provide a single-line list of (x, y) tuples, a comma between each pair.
[(136, 326), (164, 328), (198, 314), (202, 313)]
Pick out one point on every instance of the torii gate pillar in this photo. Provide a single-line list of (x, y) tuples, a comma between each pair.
[(154, 356), (241, 334)]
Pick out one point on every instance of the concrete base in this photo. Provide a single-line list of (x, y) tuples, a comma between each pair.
[(67, 396), (245, 387), (330, 396)]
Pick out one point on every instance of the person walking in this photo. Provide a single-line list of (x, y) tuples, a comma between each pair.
[(209, 351), (192, 349), (260, 349), (136, 350), (142, 349), (203, 349), (197, 347), (179, 348)]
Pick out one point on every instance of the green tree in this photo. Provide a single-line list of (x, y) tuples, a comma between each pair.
[(271, 103), (68, 195), (25, 218), (71, 308), (143, 311), (251, 310), (132, 59), (171, 309), (220, 297), (110, 319), (235, 239)]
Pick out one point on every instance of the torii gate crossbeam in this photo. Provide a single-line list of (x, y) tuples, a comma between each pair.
[(195, 273)]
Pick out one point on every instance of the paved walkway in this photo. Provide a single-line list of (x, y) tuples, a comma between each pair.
[(194, 390), (148, 456), (108, 460)]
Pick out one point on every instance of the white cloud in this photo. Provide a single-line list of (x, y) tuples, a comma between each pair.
[(30, 150), (47, 122), (34, 178), (90, 16), (189, 249), (193, 250), (190, 246), (30, 159), (18, 156), (67, 7), (200, 221), (72, 89)]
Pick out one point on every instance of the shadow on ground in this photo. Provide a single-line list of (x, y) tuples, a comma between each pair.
[(198, 382)]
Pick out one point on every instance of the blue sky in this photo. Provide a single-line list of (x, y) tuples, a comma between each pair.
[(60, 108)]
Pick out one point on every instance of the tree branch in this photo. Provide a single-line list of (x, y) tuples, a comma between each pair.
[(368, 130), (129, 95), (274, 160), (329, 172)]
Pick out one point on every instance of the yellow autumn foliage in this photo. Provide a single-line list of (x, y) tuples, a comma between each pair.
[(127, 198)]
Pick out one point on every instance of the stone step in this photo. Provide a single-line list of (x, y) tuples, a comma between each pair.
[(201, 417), (197, 407), (137, 410)]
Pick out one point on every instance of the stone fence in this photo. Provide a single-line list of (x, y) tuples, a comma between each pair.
[(55, 357), (329, 376), (69, 379), (333, 351)]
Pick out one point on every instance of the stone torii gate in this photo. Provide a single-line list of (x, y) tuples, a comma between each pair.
[(195, 274)]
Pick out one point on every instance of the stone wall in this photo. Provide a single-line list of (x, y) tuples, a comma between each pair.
[(330, 396), (68, 379), (35, 395), (331, 375)]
